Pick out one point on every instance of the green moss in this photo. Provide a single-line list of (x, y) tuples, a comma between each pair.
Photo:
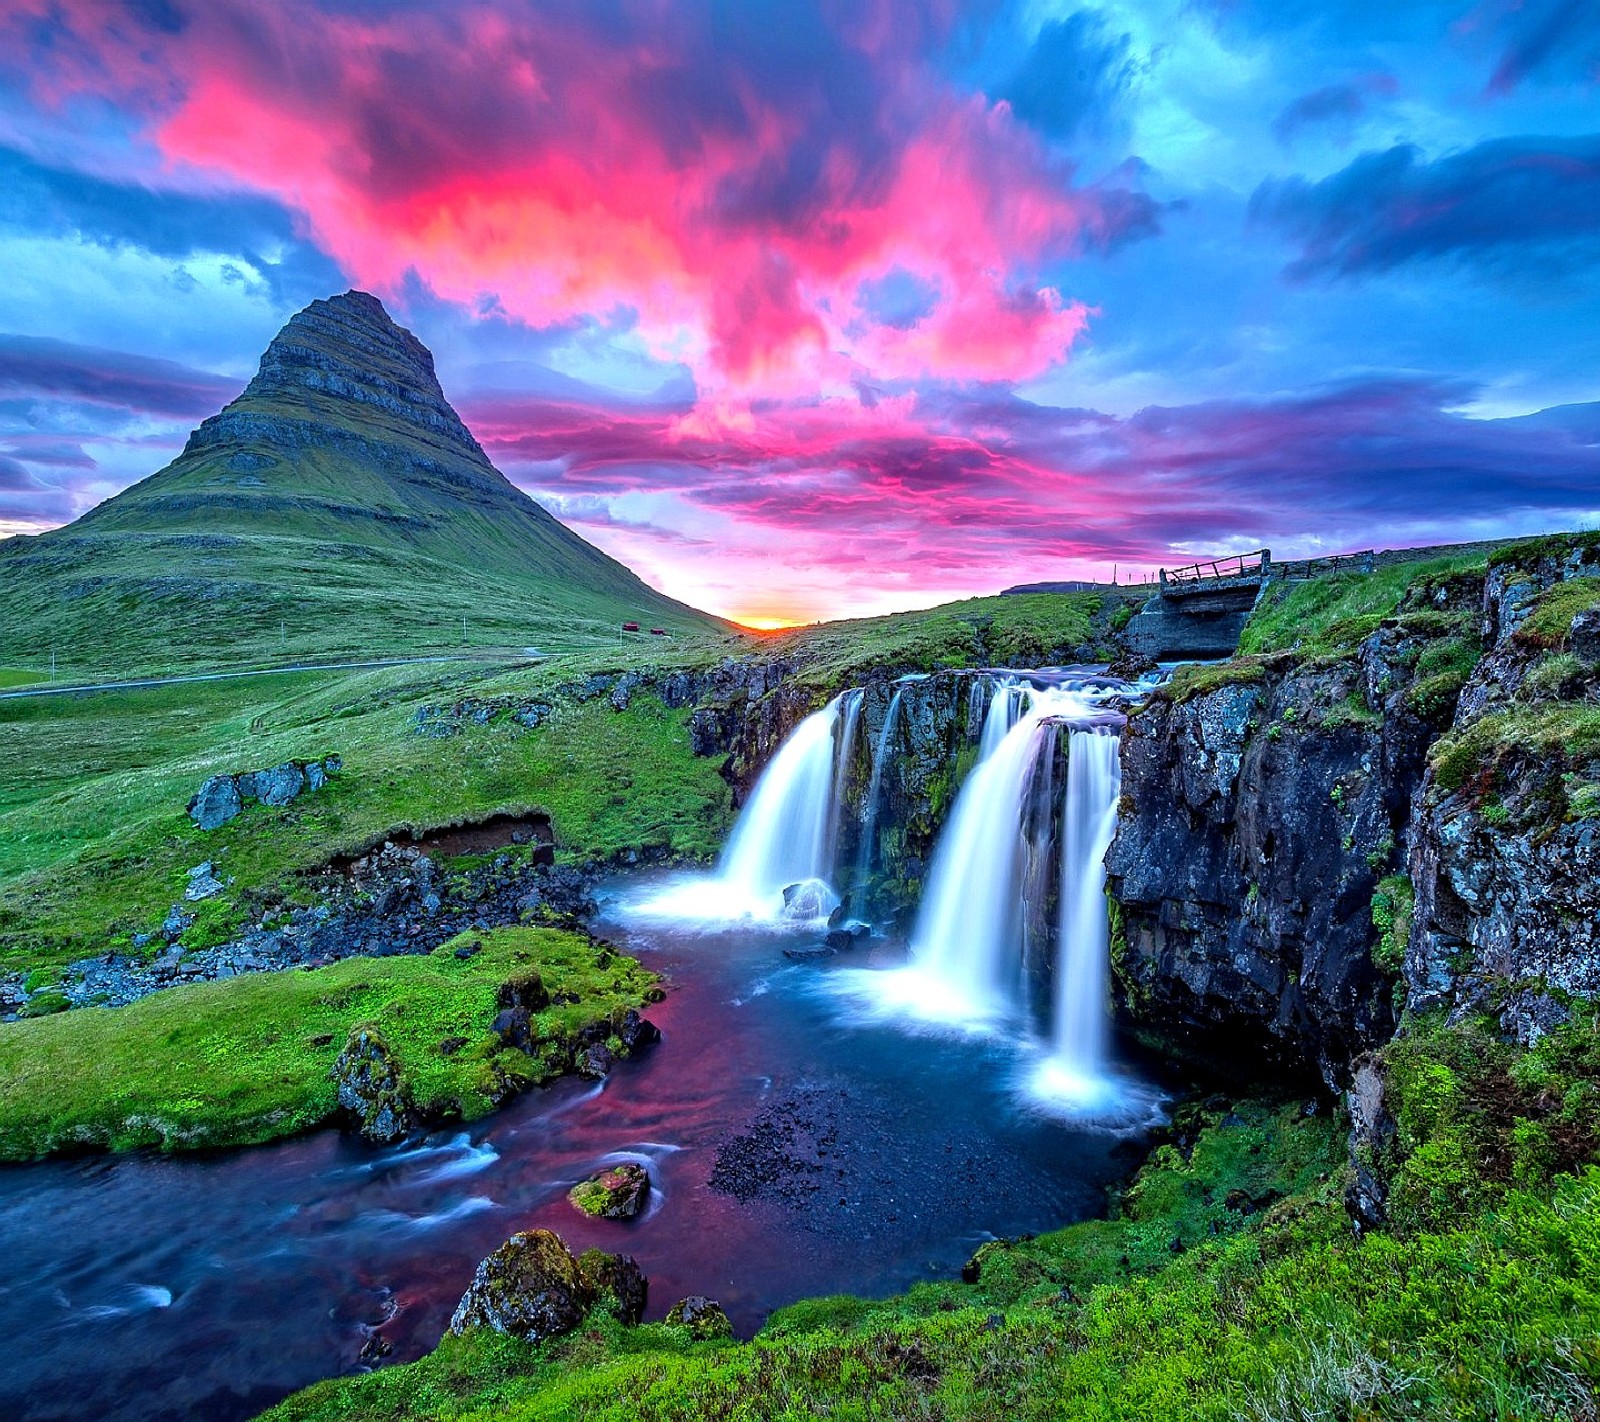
[(1549, 623), (1122, 617), (1334, 613), (1027, 629), (1478, 1116), (1550, 731), (1528, 551), (248, 1058), (1199, 679), (1392, 902)]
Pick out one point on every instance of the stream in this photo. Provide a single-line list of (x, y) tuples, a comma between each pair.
[(798, 1144)]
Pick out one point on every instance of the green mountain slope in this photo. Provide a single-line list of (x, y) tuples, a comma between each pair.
[(338, 506)]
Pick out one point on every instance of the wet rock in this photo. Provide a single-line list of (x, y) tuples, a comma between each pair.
[(617, 1193), (372, 1090), (617, 1278), (375, 1349), (203, 883), (216, 802), (703, 1317), (634, 1031), (525, 990), (595, 1062), (1373, 1131), (807, 900), (530, 1288), (1584, 638), (809, 955), (514, 1026)]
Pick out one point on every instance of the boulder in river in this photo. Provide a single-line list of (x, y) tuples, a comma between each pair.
[(616, 1193), (372, 1089), (596, 1061), (808, 900), (530, 1287), (703, 1317)]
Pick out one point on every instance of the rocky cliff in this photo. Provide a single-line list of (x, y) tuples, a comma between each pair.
[(1505, 866), (1314, 841)]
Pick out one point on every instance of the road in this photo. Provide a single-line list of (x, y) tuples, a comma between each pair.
[(145, 682)]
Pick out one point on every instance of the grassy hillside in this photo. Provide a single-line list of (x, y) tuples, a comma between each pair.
[(337, 508), (95, 842)]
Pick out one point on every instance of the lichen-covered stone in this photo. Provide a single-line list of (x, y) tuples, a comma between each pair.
[(617, 1193), (216, 802), (703, 1317), (530, 1287), (372, 1089)]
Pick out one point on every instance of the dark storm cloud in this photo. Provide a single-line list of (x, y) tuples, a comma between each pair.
[(1394, 207)]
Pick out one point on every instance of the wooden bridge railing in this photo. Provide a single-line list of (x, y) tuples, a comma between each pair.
[(1242, 565)]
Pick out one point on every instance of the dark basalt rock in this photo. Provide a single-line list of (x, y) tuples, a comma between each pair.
[(595, 1062), (530, 1287), (372, 1090), (703, 1317), (634, 1031), (1257, 820), (617, 1193), (618, 1279)]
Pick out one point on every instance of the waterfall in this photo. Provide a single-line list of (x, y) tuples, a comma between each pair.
[(967, 941), (1089, 821), (1008, 703), (843, 758), (782, 834), (880, 757)]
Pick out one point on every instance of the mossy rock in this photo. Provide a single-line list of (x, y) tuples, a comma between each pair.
[(702, 1317), (530, 1288), (618, 1193)]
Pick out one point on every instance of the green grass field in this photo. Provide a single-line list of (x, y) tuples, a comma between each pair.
[(247, 1059), (95, 842)]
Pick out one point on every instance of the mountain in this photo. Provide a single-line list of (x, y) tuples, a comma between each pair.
[(338, 506)]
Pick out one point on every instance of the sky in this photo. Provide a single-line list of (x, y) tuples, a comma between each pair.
[(823, 308)]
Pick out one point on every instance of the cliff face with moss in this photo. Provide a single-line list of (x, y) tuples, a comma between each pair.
[(1506, 830), (1397, 810)]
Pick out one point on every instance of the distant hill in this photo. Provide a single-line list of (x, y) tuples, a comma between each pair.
[(339, 505)]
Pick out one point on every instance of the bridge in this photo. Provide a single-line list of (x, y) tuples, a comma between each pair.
[(1200, 608)]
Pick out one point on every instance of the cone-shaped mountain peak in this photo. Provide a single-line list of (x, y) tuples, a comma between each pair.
[(340, 480)]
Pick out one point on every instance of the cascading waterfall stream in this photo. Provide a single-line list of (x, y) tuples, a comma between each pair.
[(1009, 701), (1089, 823), (880, 757), (980, 951), (967, 941)]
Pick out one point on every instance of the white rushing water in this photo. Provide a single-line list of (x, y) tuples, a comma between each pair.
[(967, 942), (1083, 946), (785, 836)]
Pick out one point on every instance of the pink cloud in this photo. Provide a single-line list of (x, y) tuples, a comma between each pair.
[(535, 156)]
